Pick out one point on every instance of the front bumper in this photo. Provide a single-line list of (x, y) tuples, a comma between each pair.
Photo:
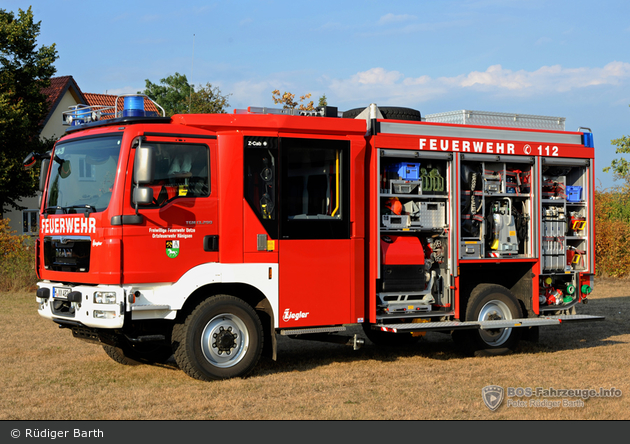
[(78, 303)]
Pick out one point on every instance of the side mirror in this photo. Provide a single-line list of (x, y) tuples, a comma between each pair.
[(43, 173), (144, 165), (29, 161), (142, 195)]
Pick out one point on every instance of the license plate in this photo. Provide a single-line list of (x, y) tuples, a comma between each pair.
[(61, 292)]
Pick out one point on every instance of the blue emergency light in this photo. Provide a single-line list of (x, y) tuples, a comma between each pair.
[(133, 106), (588, 140)]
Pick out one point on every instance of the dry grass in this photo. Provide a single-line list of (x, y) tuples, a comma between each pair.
[(48, 375)]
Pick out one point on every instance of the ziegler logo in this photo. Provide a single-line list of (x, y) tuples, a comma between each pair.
[(288, 316)]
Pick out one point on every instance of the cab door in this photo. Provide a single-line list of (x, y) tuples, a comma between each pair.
[(315, 249), (179, 229)]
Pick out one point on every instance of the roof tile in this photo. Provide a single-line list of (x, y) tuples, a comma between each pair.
[(110, 100)]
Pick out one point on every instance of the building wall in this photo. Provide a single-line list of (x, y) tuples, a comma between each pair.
[(54, 128)]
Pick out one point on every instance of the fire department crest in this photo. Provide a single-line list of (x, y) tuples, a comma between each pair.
[(492, 396), (172, 248)]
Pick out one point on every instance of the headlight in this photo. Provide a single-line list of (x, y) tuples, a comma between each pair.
[(105, 297), (104, 314)]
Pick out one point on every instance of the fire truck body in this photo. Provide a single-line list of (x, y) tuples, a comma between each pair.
[(208, 235)]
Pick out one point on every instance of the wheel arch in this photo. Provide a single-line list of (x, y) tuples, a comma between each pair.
[(246, 292), (518, 278)]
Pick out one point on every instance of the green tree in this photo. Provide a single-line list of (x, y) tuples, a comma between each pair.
[(172, 93), (323, 101), (24, 71), (208, 100), (620, 167), (177, 96)]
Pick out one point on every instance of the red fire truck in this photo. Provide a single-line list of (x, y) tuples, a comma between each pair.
[(206, 236)]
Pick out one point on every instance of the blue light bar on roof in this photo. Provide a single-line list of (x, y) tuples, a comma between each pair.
[(587, 138), (134, 106)]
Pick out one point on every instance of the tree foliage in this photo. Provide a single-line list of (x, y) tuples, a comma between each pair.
[(287, 100), (24, 71), (620, 167), (177, 96), (209, 100)]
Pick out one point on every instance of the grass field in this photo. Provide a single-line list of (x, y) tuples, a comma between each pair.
[(48, 375)]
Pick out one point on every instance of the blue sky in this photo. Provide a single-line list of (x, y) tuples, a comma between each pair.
[(558, 58)]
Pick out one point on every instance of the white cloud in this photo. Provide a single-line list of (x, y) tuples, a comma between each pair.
[(547, 78), (393, 18), (380, 84), (391, 87), (123, 90), (376, 76), (543, 41)]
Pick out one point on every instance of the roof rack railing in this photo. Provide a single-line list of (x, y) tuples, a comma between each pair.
[(132, 106), (81, 114), (319, 111)]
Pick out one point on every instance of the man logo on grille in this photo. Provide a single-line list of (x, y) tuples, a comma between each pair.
[(492, 396)]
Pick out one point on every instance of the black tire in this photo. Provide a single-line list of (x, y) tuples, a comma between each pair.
[(490, 302), (127, 353), (387, 339), (221, 338), (389, 112)]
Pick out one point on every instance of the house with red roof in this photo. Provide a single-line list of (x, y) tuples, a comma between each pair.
[(63, 94)]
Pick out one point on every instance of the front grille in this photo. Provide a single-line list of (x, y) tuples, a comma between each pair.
[(67, 253)]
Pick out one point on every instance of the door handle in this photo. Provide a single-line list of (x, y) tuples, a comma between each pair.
[(211, 243)]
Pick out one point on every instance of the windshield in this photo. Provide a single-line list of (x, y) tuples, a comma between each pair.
[(82, 174)]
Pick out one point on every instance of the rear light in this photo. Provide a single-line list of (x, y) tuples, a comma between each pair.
[(586, 287)]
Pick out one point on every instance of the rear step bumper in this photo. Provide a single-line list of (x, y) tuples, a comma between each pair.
[(485, 325)]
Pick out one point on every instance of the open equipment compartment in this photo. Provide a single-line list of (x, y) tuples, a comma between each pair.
[(496, 206), (414, 229)]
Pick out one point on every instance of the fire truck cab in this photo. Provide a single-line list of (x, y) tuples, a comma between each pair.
[(206, 236)]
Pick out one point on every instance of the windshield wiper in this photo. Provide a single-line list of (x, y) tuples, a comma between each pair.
[(85, 207), (55, 208)]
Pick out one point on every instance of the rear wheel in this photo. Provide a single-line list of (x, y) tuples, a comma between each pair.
[(489, 302), (222, 338)]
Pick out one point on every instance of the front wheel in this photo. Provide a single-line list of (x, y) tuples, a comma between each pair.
[(222, 338), (126, 353), (489, 302)]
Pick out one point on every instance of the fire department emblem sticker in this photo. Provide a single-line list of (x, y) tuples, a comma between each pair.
[(492, 396), (172, 248)]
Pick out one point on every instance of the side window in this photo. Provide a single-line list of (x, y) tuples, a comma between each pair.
[(261, 160), (30, 222), (315, 189), (181, 170), (87, 171)]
